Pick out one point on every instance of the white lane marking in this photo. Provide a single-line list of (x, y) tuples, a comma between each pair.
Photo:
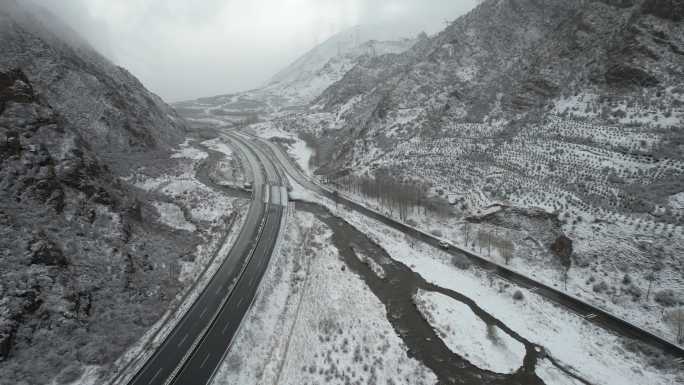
[(203, 312), (266, 195), (240, 302), (225, 328), (283, 196), (679, 360), (251, 281), (220, 289), (590, 316), (183, 340), (275, 195), (205, 360), (155, 375)]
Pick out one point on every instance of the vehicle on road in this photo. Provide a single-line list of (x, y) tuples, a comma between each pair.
[(444, 244)]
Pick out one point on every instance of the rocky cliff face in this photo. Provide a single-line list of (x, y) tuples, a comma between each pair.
[(107, 105), (514, 59), (77, 255)]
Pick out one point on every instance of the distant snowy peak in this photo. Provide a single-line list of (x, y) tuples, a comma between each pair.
[(354, 42), (301, 82), (303, 86)]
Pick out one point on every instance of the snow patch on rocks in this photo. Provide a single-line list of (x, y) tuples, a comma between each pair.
[(172, 216)]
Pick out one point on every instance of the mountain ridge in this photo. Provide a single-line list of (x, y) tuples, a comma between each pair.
[(84, 86), (80, 243), (574, 108)]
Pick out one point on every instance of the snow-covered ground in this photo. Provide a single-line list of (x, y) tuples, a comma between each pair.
[(625, 298), (184, 190), (485, 346), (552, 375), (581, 347), (296, 147), (230, 170), (172, 216), (314, 321), (375, 267), (203, 203), (188, 151)]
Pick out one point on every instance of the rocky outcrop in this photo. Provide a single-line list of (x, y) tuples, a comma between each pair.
[(622, 75), (665, 9), (43, 251), (562, 248), (14, 87), (7, 330)]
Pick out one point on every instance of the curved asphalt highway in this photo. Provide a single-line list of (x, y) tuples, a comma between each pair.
[(589, 312), (193, 351)]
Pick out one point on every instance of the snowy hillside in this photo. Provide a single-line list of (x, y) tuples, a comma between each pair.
[(90, 92), (89, 259), (301, 82), (571, 107), (353, 43)]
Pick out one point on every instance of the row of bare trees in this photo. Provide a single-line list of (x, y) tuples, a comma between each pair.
[(400, 197), (489, 239)]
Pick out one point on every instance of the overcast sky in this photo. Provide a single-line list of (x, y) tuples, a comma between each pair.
[(183, 49)]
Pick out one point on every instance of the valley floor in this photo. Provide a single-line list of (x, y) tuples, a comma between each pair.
[(574, 350), (314, 321), (624, 264)]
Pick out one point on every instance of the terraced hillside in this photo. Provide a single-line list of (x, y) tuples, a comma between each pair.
[(556, 125)]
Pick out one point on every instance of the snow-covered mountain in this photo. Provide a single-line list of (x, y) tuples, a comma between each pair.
[(611, 61), (302, 81), (93, 95), (77, 243), (307, 78), (572, 107), (326, 63)]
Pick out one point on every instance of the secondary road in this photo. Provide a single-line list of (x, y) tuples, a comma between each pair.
[(589, 312), (193, 351)]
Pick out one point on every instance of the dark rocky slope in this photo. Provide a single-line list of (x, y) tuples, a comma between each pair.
[(80, 260), (511, 60)]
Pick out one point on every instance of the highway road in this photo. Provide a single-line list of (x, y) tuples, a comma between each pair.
[(194, 350), (587, 311)]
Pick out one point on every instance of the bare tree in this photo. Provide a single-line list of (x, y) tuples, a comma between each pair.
[(481, 238), (679, 319), (507, 250), (466, 231), (676, 318), (489, 244), (650, 277)]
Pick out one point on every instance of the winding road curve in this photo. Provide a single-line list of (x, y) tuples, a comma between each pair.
[(194, 350)]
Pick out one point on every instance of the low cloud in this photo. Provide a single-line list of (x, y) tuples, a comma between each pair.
[(183, 50)]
